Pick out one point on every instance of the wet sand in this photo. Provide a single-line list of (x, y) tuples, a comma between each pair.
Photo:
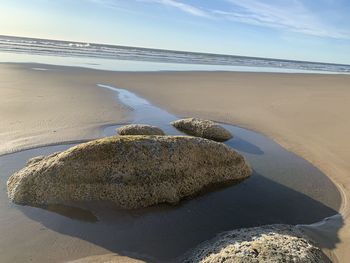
[(40, 107), (306, 113)]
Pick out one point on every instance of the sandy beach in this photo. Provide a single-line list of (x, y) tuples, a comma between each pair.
[(305, 113), (40, 107)]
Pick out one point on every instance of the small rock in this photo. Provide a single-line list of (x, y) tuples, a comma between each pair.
[(271, 243), (203, 128), (139, 129)]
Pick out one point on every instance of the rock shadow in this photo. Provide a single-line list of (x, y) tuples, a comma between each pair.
[(166, 233), (244, 146)]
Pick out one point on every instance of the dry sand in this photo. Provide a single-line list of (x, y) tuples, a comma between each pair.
[(306, 113)]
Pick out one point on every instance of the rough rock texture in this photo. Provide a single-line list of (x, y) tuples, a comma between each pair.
[(35, 159), (203, 128), (271, 243), (132, 171), (140, 129)]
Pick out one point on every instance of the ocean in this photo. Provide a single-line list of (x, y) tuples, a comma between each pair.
[(123, 58)]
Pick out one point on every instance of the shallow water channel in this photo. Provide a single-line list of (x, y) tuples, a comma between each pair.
[(284, 188)]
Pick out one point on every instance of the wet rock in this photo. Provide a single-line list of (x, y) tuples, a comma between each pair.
[(139, 129), (271, 243), (131, 171), (203, 128)]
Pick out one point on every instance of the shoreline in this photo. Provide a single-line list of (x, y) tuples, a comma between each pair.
[(149, 84), (270, 70)]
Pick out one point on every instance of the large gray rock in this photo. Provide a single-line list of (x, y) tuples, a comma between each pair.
[(203, 128), (140, 129), (271, 243), (132, 171)]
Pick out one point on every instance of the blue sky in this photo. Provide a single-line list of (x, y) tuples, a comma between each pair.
[(315, 30)]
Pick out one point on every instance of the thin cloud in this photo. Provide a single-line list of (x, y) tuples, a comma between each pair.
[(290, 15), (190, 9), (112, 4)]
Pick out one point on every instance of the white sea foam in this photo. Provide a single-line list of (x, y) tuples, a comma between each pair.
[(79, 44), (40, 69)]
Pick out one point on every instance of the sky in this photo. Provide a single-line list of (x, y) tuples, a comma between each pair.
[(312, 30)]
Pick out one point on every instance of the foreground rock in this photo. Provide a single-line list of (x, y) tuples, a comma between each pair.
[(271, 243), (139, 129), (131, 171), (203, 128)]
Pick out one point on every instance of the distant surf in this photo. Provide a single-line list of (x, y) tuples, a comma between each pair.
[(44, 47)]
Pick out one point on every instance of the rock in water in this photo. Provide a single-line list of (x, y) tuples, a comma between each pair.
[(140, 129), (131, 171), (203, 128), (271, 243)]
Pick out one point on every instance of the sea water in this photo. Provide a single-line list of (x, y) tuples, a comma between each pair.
[(123, 58)]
